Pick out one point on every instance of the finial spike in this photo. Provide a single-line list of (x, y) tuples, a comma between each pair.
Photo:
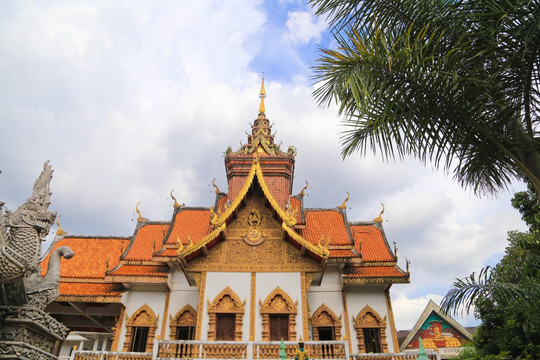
[(262, 95)]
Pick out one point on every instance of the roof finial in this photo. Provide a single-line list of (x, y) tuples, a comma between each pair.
[(262, 95)]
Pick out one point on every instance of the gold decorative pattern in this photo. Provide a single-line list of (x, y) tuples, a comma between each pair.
[(305, 313), (191, 247), (186, 316), (346, 313), (369, 318), (273, 255), (226, 302), (200, 306), (391, 319), (165, 315), (252, 305), (325, 317), (143, 317), (117, 329), (278, 302)]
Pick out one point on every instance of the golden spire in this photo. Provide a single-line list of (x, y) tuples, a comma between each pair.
[(262, 95), (344, 205), (140, 218)]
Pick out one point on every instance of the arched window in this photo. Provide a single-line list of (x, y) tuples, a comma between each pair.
[(183, 324), (141, 330), (370, 331), (326, 325), (225, 316), (278, 316)]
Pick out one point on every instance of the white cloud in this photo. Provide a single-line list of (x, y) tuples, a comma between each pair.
[(304, 27)]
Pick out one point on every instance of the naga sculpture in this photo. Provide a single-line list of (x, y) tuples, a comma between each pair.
[(21, 234)]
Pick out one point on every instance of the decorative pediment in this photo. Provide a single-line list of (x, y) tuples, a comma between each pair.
[(278, 302), (369, 318), (226, 302), (187, 316), (144, 316), (220, 219), (324, 316)]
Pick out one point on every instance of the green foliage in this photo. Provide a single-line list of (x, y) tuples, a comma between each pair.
[(451, 82)]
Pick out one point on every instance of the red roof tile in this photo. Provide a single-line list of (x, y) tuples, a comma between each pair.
[(327, 222), (91, 289), (369, 241), (142, 270), (148, 239), (195, 223), (372, 271), (91, 255), (339, 253)]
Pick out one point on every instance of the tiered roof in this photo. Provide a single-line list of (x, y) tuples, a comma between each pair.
[(105, 266)]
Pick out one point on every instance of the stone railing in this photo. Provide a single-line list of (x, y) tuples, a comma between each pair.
[(252, 350), (106, 355), (413, 355), (260, 350)]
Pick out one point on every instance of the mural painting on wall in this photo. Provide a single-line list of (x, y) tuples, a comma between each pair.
[(437, 333)]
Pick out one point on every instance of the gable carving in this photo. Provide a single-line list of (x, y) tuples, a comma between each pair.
[(143, 317), (325, 317), (370, 319), (278, 302), (227, 302)]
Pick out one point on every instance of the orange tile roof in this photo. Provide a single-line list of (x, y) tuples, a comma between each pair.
[(327, 222), (369, 241), (372, 271), (168, 253), (195, 223), (142, 270), (147, 240), (91, 289), (339, 253), (91, 255)]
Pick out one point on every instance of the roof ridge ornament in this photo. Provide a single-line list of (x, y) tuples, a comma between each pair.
[(344, 205), (140, 218), (379, 218), (60, 231), (176, 204)]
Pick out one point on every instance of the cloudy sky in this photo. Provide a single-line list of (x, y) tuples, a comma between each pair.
[(131, 99)]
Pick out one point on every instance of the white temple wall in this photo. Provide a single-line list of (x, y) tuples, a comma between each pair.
[(135, 298), (182, 294), (357, 299), (328, 293)]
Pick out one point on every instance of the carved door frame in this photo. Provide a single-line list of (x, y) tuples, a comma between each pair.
[(325, 317), (226, 302), (369, 318), (186, 316), (279, 303), (143, 317)]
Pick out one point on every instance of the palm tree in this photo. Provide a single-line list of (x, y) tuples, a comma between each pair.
[(447, 81)]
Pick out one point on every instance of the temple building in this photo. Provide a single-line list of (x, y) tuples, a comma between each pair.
[(254, 266)]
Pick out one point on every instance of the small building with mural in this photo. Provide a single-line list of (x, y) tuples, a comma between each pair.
[(256, 265), (438, 331)]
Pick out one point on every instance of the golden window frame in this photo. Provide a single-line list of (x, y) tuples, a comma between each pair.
[(186, 316), (369, 318), (143, 317), (280, 303), (325, 317), (226, 302)]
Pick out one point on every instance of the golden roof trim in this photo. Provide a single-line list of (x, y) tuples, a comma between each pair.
[(184, 251)]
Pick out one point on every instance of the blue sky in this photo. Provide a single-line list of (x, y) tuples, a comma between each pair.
[(130, 99)]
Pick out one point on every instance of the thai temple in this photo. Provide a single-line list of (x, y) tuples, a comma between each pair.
[(256, 266)]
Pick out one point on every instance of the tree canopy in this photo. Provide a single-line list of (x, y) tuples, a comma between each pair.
[(450, 82)]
